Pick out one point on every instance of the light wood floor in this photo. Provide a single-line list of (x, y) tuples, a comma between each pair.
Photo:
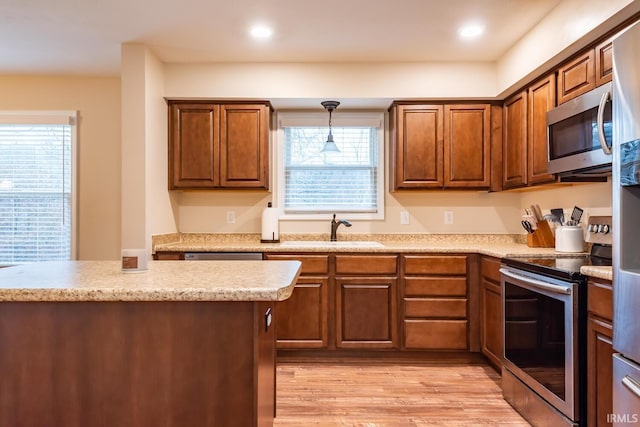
[(375, 394)]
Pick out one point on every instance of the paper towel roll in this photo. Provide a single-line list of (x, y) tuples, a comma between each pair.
[(270, 225)]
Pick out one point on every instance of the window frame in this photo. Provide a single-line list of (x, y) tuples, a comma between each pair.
[(61, 117), (349, 118)]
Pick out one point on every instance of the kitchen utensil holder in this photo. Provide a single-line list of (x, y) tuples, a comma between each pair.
[(542, 237)]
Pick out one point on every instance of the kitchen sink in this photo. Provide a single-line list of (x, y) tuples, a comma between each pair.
[(342, 243)]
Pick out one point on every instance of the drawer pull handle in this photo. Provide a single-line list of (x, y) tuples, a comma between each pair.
[(632, 385)]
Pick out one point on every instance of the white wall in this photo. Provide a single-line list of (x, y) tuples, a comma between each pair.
[(569, 27)]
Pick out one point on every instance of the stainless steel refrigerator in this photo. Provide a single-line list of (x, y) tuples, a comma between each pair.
[(626, 228)]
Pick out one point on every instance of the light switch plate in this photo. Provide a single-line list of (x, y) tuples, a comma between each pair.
[(404, 217), (231, 217), (448, 217)]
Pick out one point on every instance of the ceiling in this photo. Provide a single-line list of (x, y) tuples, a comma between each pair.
[(84, 37)]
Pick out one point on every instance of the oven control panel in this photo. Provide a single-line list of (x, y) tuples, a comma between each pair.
[(599, 230)]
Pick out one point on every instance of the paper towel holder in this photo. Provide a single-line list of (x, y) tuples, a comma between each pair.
[(275, 235)]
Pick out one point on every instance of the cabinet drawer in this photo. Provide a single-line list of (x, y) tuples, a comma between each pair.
[(600, 299), (366, 264), (435, 334), (435, 286), (490, 268), (435, 264), (311, 264), (436, 307)]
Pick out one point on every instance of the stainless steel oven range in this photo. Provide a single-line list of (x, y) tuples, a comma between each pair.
[(545, 332)]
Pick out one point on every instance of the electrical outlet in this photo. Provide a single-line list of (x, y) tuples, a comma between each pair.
[(448, 217), (231, 217), (404, 217)]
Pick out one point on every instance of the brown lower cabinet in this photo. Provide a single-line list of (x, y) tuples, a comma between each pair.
[(491, 322), (435, 302), (600, 352), (399, 302), (303, 319)]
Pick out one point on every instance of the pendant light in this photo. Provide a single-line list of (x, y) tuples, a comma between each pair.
[(330, 145)]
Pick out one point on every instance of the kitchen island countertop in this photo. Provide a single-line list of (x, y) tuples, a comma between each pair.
[(163, 281)]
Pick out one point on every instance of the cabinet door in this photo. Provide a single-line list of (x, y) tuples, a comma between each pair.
[(418, 146), (193, 145), (302, 320), (576, 77), (244, 145), (467, 144), (491, 339), (604, 62), (542, 98), (366, 312), (599, 372), (514, 141)]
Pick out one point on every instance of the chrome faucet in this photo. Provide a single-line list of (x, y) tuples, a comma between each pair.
[(334, 227)]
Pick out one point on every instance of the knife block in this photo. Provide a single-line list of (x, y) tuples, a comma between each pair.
[(542, 237)]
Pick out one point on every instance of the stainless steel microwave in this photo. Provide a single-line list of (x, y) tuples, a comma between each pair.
[(579, 135)]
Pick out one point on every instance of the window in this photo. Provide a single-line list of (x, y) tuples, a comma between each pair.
[(312, 184), (36, 186)]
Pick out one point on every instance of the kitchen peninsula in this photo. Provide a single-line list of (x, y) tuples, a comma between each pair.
[(182, 344)]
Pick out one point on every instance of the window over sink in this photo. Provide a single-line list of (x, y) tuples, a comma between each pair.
[(312, 184)]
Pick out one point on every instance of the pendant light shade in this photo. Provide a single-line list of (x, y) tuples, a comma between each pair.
[(330, 145)]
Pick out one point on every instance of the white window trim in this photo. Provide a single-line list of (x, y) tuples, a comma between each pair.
[(291, 118), (55, 118)]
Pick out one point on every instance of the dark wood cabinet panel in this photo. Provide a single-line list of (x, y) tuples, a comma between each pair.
[(600, 372), (440, 146), (193, 145), (429, 334), (366, 313), (366, 264), (467, 146), (435, 264), (514, 141), (576, 77), (541, 98), (491, 320), (417, 140), (599, 352), (303, 319), (218, 145), (244, 145), (604, 62), (435, 304)]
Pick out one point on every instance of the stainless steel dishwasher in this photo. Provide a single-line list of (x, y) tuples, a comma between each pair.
[(227, 256)]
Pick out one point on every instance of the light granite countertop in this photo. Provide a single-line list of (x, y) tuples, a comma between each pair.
[(163, 281), (500, 246), (599, 272)]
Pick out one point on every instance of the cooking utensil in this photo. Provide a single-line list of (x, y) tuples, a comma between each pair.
[(576, 215), (537, 212), (527, 226), (558, 213)]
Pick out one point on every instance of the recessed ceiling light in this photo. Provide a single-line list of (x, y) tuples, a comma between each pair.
[(261, 32), (471, 31)]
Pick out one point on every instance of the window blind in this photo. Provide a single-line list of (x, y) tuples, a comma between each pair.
[(35, 192), (330, 182)]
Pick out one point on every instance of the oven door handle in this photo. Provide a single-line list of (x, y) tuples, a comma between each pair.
[(558, 289)]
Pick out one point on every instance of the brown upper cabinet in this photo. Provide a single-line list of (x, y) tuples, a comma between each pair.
[(524, 147), (604, 62), (440, 146), (590, 69), (577, 76), (218, 145)]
